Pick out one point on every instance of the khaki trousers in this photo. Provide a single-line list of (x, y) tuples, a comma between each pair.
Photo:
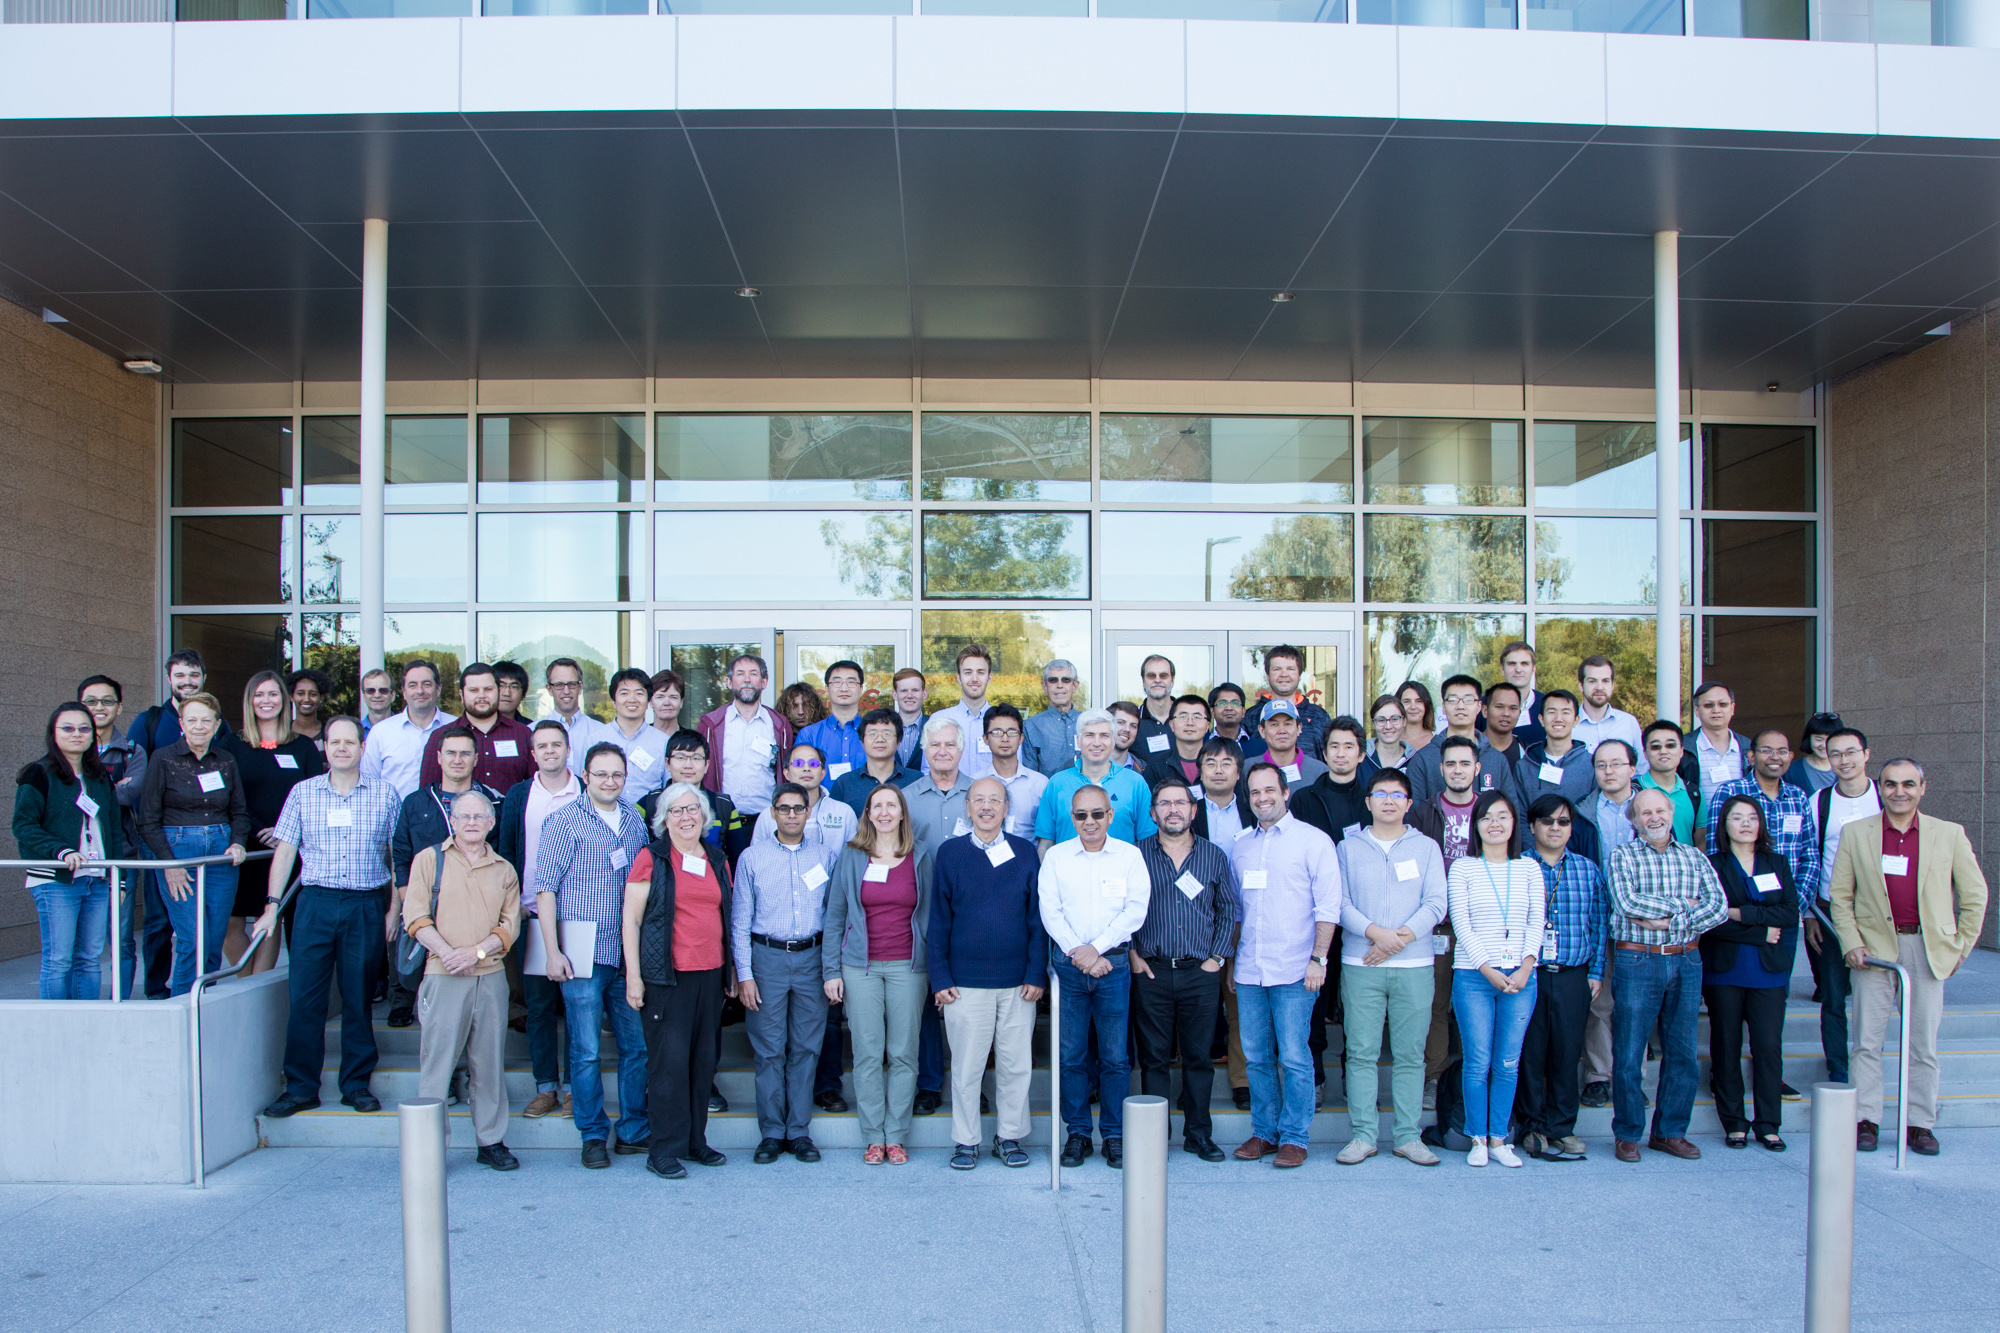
[(1875, 1005), (1001, 1021), (469, 1015)]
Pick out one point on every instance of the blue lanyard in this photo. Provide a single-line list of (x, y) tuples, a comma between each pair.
[(1506, 904)]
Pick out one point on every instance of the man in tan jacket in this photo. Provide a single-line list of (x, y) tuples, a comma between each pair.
[(464, 905), (1909, 890)]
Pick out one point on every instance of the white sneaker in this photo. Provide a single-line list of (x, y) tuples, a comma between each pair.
[(1504, 1154), (1477, 1157), (1416, 1151), (1356, 1151)]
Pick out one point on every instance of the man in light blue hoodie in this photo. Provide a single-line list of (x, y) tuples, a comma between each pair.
[(1395, 894)]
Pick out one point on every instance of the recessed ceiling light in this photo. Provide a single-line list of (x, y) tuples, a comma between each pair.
[(143, 367), (748, 291), (1282, 297)]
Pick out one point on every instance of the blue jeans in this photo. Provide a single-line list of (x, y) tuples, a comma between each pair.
[(1649, 988), (75, 919), (1491, 1027), (1104, 1001), (590, 1000), (1277, 1022), (219, 895)]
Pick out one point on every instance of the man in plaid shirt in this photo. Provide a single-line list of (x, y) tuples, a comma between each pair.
[(1664, 894), (1787, 813), (1568, 979)]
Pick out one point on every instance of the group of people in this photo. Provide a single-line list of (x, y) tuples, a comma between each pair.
[(1522, 899)]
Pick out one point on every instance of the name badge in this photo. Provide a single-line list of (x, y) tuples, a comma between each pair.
[(1548, 944), (999, 854), (620, 858), (210, 781), (285, 760), (86, 804), (1291, 772), (960, 829), (1189, 885), (1716, 775), (1506, 962), (1241, 829), (983, 747), (1895, 865), (1255, 879), (1552, 773), (1765, 883), (506, 750), (1112, 886), (1794, 823), (814, 877), (1407, 870), (340, 819), (876, 874), (835, 772), (695, 865), (1440, 945), (1155, 744), (763, 747), (638, 758)]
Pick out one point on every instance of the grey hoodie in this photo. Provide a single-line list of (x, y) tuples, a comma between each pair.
[(1376, 894)]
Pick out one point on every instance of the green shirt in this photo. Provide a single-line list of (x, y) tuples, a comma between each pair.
[(1683, 804)]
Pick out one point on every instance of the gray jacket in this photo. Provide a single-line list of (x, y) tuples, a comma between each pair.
[(1375, 895), (1495, 773), (845, 941), (1579, 780)]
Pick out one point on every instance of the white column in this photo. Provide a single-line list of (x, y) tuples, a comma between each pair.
[(1965, 22), (1667, 453), (374, 429)]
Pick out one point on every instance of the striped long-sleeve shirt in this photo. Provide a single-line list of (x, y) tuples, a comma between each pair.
[(1180, 924), (1496, 912)]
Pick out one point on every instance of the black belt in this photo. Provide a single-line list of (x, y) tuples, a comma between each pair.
[(785, 946), (329, 888), (1175, 964)]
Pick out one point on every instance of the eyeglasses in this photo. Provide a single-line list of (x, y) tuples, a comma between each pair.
[(1555, 823), (372, 691), (1825, 720), (1388, 796), (600, 774), (1092, 816), (565, 684), (1003, 733), (684, 811), (1774, 749), (789, 809), (71, 729), (471, 817), (1174, 803), (1845, 752), (807, 763), (1058, 680), (1385, 718), (97, 701)]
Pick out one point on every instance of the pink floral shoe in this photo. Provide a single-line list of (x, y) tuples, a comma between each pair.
[(897, 1157), (875, 1154)]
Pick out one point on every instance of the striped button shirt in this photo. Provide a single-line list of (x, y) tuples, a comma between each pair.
[(343, 841), (1178, 925), (1574, 912), (583, 864), (1788, 821), (1675, 884)]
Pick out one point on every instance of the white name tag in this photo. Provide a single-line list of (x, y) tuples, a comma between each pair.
[(86, 804), (1155, 744), (1716, 775), (814, 877), (1291, 772), (695, 865), (960, 829), (340, 819), (999, 854), (1895, 865), (639, 759), (210, 781), (1794, 823), (1407, 870), (835, 772), (876, 874), (285, 760), (983, 747), (1255, 879), (1440, 945), (1552, 773), (1112, 886), (1189, 885), (1240, 831), (506, 750), (1765, 883), (620, 858)]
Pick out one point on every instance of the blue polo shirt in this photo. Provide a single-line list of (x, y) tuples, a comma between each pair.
[(1131, 804)]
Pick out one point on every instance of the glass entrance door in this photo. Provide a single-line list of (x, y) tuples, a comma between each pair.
[(1233, 650), (701, 655), (798, 647), (1197, 657), (1320, 678)]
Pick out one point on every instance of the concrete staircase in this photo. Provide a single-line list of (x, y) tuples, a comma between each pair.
[(1969, 1043)]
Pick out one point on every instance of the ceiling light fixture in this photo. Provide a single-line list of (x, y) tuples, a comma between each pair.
[(143, 367), (1281, 297), (1772, 387), (749, 291)]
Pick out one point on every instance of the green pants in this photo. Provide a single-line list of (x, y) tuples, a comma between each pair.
[(1403, 996)]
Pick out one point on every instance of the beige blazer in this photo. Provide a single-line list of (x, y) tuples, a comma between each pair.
[(1951, 892)]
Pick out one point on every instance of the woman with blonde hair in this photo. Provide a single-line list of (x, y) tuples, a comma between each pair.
[(872, 959), (271, 759)]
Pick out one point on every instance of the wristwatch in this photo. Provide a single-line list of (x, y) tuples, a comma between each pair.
[(1320, 959), (480, 953), (269, 899)]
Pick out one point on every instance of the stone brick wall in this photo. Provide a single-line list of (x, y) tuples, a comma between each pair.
[(1911, 445), (79, 469)]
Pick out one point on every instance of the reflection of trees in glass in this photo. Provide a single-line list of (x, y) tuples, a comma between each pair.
[(876, 563), (1304, 558), (1552, 569), (1629, 641), (534, 655), (1410, 461), (322, 566), (705, 668), (867, 450), (1003, 555), (1404, 644), (447, 659), (331, 647), (1468, 558), (1137, 448), (1006, 456), (1020, 642)]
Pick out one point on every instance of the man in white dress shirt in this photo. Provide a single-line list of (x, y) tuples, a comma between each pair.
[(395, 753)]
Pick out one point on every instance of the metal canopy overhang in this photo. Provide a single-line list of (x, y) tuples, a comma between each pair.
[(990, 245)]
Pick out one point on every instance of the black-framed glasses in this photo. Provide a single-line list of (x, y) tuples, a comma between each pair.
[(1003, 731), (789, 809)]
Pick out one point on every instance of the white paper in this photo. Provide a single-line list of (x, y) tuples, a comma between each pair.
[(1189, 885), (695, 865), (1895, 865), (579, 944), (1765, 883), (835, 772), (1794, 823), (999, 854), (640, 759), (1440, 945), (86, 804), (983, 747), (876, 873), (960, 829), (620, 858), (506, 750), (285, 760), (1552, 773), (1255, 879), (1155, 744), (340, 818), (1111, 886), (1291, 772), (1407, 870), (210, 781), (814, 876)]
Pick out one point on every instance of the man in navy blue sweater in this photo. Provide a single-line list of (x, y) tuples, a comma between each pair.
[(987, 950)]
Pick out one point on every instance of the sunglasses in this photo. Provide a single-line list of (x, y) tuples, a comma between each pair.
[(1092, 816)]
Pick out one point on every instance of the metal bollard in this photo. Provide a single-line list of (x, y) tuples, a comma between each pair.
[(1145, 1214), (420, 1123), (1830, 1210)]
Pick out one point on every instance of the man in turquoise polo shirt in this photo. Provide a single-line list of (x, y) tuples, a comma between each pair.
[(1131, 817)]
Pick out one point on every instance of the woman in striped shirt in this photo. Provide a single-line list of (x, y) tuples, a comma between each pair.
[(1496, 916)]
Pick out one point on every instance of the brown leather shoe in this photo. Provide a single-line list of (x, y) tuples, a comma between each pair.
[(1866, 1135), (1625, 1151), (1255, 1150), (1921, 1140), (1291, 1154), (1675, 1147)]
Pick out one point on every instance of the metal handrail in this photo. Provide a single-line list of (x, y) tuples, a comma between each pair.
[(199, 1132), (1902, 1053)]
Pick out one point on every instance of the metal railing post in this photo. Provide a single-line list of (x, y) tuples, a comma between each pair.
[(199, 1130), (117, 942), (1902, 1054), (1830, 1210), (1145, 1214), (1055, 1082), (420, 1124), (200, 919)]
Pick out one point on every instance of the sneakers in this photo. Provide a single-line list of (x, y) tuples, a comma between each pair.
[(541, 1104), (1356, 1152), (1597, 1094), (496, 1156), (1477, 1156), (964, 1156), (1504, 1155), (1430, 1094), (1786, 1092), (1114, 1153), (1417, 1153)]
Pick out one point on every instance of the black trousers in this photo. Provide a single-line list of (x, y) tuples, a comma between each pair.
[(832, 1052), (336, 940), (1763, 1008), (1546, 1100), (1178, 1007), (1326, 1009), (681, 1022)]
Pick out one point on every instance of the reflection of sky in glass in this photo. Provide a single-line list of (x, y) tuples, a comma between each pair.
[(426, 557), (425, 464), (1599, 561), (1185, 557), (1194, 667), (1272, 460), (1601, 464), (562, 557), (781, 556), (1006, 456), (782, 457)]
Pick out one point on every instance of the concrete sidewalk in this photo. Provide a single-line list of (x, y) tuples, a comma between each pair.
[(305, 1238)]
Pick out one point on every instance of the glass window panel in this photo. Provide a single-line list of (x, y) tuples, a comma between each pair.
[(331, 558), (1194, 668), (220, 560), (1430, 645), (527, 8), (557, 557), (1601, 561), (1752, 562), (425, 465), (878, 668), (1006, 555), (1771, 662), (1319, 681), (853, 456), (1219, 557), (436, 636), (1469, 558), (1758, 467), (426, 557), (1632, 644), (1438, 13), (1257, 460), (1602, 465), (1006, 456), (1778, 19), (600, 641), (560, 459), (1649, 16), (245, 461), (235, 648), (1020, 643), (332, 644), (705, 668), (330, 457), (781, 556), (386, 9), (1422, 461)]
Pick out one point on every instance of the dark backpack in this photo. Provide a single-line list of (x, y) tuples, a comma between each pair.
[(1449, 1131), (409, 958)]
